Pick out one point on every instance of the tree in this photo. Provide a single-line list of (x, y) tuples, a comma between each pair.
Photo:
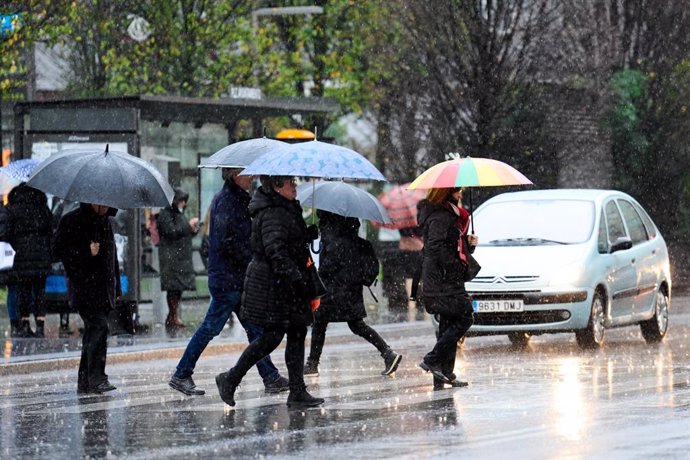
[(463, 81)]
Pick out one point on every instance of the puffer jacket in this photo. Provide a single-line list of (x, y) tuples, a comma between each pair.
[(347, 262), (443, 286), (275, 287), (30, 232)]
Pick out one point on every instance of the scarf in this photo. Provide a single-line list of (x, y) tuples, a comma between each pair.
[(462, 219)]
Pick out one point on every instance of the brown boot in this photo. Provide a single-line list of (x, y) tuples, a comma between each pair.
[(172, 322)]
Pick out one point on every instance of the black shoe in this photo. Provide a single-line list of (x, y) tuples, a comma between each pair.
[(82, 390), (436, 370), (186, 386), (302, 398), (311, 367), (278, 385), (102, 387), (392, 359), (438, 385), (226, 389), (40, 329)]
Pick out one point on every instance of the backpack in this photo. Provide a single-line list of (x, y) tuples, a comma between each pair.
[(368, 263)]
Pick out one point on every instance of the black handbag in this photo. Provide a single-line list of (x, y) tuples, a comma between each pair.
[(315, 286), (472, 268)]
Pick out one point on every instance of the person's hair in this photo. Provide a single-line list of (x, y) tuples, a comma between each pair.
[(230, 173), (180, 195), (271, 182), (439, 195)]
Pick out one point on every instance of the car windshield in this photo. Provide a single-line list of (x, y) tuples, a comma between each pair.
[(535, 222)]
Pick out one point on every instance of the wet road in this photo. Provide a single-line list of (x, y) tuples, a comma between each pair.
[(550, 400)]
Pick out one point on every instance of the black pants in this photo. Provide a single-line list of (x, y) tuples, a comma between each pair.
[(31, 296), (265, 344), (358, 327), (450, 330), (93, 349)]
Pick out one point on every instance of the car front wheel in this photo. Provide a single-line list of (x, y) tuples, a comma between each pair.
[(592, 337), (654, 329)]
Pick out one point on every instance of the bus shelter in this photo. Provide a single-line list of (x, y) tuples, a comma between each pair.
[(173, 133)]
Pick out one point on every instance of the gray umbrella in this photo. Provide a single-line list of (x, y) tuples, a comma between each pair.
[(342, 198), (240, 154), (114, 179)]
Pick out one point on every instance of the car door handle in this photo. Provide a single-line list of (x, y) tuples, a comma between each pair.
[(633, 261), (653, 251)]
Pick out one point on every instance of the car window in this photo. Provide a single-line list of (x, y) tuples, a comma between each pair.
[(614, 221), (535, 222), (602, 241), (638, 234), (649, 225)]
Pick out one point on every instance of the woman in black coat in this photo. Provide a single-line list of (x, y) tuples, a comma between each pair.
[(30, 232), (347, 262), (175, 256), (276, 293), (446, 246)]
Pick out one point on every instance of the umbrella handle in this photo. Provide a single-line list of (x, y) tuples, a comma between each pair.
[(313, 249)]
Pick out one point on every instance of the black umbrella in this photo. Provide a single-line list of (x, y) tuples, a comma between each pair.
[(114, 179)]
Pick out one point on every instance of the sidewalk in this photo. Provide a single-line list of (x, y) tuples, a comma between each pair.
[(53, 352)]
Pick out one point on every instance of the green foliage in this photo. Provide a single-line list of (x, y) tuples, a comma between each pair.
[(649, 122)]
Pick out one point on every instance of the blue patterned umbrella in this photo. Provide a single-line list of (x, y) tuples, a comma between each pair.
[(20, 170), (314, 159)]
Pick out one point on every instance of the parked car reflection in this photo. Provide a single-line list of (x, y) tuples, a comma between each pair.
[(579, 261)]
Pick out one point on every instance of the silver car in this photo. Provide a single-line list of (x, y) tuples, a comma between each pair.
[(579, 261)]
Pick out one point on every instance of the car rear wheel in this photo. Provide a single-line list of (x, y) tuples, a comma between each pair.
[(519, 339), (654, 329), (592, 337)]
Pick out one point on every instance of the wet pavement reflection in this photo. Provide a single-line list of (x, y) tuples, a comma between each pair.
[(548, 400)]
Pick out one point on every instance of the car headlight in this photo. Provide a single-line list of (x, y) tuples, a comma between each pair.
[(569, 275)]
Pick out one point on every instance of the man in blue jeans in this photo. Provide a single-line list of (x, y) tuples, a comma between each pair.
[(229, 255)]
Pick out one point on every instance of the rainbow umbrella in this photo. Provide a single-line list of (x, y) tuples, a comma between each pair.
[(469, 172)]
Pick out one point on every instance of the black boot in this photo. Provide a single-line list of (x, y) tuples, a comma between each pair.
[(15, 328), (302, 398), (311, 367), (391, 360), (40, 329), (25, 329), (226, 388)]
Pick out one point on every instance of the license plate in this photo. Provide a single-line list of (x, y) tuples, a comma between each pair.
[(498, 306)]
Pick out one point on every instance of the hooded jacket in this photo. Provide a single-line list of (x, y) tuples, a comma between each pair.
[(175, 250), (347, 262), (275, 289)]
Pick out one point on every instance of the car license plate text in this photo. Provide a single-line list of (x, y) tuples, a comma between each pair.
[(494, 306)]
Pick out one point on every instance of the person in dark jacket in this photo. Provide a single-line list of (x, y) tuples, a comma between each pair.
[(85, 244), (12, 311), (444, 225), (175, 256), (276, 295), (30, 232), (347, 262), (229, 254)]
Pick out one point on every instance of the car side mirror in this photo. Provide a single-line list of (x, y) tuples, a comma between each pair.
[(621, 244)]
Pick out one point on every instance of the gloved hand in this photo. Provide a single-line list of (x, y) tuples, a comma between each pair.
[(312, 232)]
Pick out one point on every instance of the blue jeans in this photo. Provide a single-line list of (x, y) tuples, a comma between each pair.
[(12, 301), (222, 305)]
